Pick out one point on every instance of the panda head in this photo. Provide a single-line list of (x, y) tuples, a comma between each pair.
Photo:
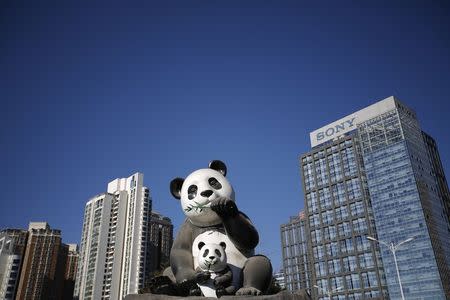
[(212, 257), (198, 190)]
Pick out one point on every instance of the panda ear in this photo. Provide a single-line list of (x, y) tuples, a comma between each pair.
[(200, 245), (175, 187), (223, 245), (218, 166)]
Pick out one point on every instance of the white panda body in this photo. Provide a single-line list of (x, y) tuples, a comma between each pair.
[(234, 259)]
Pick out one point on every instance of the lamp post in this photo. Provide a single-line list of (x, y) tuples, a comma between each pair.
[(328, 292), (393, 248)]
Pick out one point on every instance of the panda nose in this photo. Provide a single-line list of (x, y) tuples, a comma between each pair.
[(206, 193), (211, 257)]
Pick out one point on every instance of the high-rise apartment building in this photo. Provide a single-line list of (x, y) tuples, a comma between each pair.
[(161, 239), (114, 242), (12, 250), (375, 173), (294, 252), (72, 261), (33, 263), (70, 269), (39, 274)]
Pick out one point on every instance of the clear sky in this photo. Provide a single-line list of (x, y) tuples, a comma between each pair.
[(95, 91)]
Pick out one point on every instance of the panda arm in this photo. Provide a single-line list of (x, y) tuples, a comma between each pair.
[(181, 259), (224, 278), (201, 276), (241, 231), (237, 225)]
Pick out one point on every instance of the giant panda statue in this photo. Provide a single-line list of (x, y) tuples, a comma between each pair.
[(212, 216)]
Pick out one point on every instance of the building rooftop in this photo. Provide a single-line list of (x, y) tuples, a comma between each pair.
[(348, 123), (38, 225)]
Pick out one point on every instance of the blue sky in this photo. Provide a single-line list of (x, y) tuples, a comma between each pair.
[(95, 91)]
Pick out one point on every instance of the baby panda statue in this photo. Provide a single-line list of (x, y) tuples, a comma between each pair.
[(212, 260), (212, 217)]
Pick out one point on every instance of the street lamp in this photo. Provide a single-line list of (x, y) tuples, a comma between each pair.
[(328, 292), (393, 249)]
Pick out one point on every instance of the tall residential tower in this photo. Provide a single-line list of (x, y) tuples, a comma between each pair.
[(114, 243), (161, 238), (33, 263), (376, 174), (12, 250)]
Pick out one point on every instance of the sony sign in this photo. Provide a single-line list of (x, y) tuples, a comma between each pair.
[(334, 130), (348, 123), (341, 127)]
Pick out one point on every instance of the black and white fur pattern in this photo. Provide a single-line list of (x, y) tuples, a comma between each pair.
[(212, 259), (212, 216)]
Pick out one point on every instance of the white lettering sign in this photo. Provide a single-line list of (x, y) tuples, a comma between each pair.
[(350, 122), (330, 131)]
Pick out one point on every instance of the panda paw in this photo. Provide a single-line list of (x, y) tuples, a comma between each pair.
[(224, 207), (201, 277), (162, 285), (248, 291), (222, 281), (195, 291)]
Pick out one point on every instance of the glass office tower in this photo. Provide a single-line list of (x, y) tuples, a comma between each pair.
[(339, 220), (294, 252), (375, 174)]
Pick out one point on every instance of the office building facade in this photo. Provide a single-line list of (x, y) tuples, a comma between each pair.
[(376, 174), (114, 243), (279, 279), (296, 271)]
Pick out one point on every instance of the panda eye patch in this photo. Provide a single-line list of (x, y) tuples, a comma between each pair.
[(206, 252), (214, 183), (192, 192), (218, 253)]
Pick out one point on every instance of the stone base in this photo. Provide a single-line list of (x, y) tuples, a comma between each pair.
[(283, 295)]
